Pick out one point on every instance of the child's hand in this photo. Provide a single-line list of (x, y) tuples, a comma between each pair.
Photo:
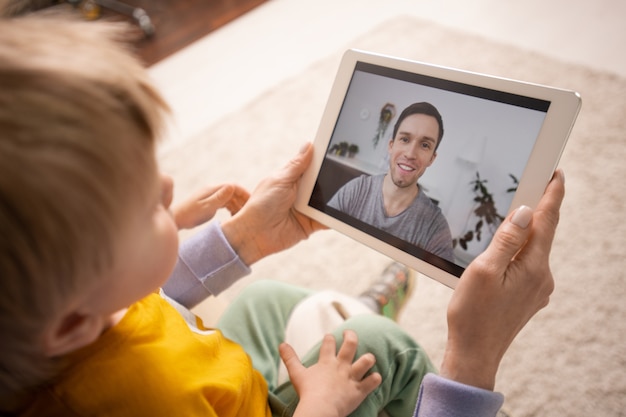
[(334, 386), (202, 206)]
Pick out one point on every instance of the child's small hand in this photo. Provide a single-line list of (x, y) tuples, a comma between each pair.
[(202, 206), (335, 385)]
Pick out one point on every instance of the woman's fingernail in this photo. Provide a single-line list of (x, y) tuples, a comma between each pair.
[(304, 147), (522, 216)]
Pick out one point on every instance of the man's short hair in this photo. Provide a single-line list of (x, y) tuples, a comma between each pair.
[(420, 108)]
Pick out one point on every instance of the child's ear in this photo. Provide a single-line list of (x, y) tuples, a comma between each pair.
[(71, 332)]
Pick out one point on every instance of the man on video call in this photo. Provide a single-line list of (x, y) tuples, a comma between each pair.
[(394, 202)]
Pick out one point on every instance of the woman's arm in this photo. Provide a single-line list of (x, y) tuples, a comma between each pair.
[(499, 292)]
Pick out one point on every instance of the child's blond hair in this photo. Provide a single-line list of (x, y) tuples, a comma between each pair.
[(78, 122)]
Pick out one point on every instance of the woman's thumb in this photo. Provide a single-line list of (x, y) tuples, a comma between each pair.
[(510, 236)]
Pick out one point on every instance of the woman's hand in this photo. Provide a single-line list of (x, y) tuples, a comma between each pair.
[(501, 290), (268, 222), (335, 385)]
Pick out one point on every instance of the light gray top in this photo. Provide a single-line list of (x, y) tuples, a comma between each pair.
[(421, 224)]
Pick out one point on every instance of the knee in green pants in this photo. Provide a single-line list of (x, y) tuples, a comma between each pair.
[(257, 320), (399, 359)]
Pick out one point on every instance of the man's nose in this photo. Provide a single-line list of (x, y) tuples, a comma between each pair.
[(412, 150)]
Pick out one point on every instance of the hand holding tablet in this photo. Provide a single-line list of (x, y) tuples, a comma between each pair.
[(422, 162)]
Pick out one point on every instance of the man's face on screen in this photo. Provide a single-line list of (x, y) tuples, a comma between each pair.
[(412, 150)]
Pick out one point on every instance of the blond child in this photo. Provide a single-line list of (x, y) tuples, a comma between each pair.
[(88, 241)]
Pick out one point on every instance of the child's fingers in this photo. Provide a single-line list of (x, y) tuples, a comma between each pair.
[(239, 198), (370, 383), (221, 196), (362, 365), (348, 347), (328, 348), (290, 358)]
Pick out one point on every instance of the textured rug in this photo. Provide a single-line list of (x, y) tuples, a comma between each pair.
[(571, 359)]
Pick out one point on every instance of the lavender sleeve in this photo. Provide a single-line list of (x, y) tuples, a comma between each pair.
[(441, 397), (206, 266)]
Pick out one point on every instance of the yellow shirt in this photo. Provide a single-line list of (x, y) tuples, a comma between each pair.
[(153, 364)]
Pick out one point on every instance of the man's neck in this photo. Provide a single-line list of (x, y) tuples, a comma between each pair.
[(397, 199)]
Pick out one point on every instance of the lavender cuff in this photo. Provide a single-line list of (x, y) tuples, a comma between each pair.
[(206, 266), (443, 397)]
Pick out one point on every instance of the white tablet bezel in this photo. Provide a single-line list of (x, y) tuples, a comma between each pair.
[(544, 156)]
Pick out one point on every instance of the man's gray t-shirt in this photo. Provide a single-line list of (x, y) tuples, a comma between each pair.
[(421, 224)]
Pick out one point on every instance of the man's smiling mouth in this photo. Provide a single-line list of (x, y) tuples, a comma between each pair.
[(406, 167)]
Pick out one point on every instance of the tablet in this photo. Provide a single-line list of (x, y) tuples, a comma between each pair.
[(423, 162)]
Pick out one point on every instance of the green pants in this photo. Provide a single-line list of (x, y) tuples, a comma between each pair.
[(257, 320)]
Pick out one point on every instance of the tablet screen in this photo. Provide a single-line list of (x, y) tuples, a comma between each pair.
[(422, 162), (465, 189)]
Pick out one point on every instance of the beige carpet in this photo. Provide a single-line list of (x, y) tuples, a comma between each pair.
[(571, 359)]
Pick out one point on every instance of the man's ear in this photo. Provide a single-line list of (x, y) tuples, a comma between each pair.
[(71, 332)]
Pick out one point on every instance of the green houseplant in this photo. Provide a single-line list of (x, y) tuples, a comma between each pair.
[(484, 212)]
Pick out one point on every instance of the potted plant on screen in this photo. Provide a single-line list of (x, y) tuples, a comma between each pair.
[(484, 216)]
